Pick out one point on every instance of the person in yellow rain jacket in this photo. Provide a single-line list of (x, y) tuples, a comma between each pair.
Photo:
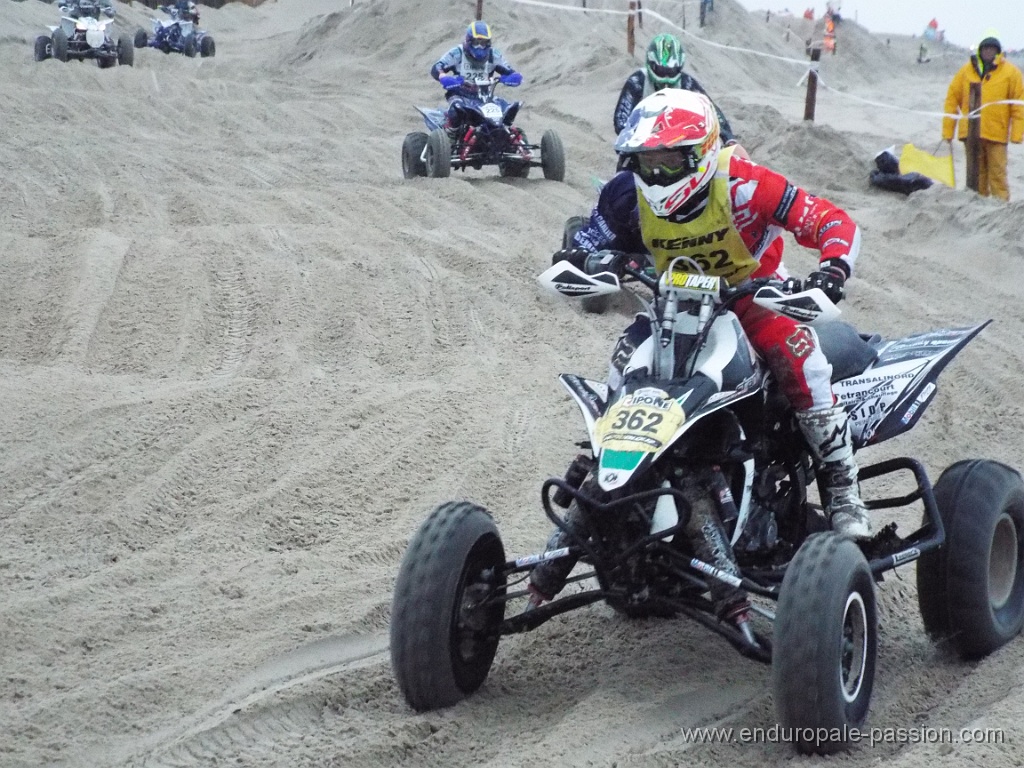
[(1000, 81)]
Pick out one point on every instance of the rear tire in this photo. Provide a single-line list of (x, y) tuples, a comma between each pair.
[(572, 225), (43, 48), (125, 51), (207, 47), (513, 169), (441, 647), (971, 590), (439, 154), (552, 156), (141, 38), (412, 151), (825, 644), (59, 43)]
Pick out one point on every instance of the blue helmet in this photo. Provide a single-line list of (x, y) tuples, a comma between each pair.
[(478, 41)]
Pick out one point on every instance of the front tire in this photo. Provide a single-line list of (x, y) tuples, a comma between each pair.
[(443, 635), (971, 590), (412, 151), (59, 43), (552, 156), (190, 46), (141, 38), (825, 643), (207, 47), (439, 154)]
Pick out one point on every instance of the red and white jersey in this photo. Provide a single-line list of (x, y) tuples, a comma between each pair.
[(764, 203)]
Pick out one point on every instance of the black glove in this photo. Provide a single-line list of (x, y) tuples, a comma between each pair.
[(575, 256), (830, 277), (792, 285)]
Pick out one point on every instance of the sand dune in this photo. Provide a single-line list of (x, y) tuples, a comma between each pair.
[(241, 358)]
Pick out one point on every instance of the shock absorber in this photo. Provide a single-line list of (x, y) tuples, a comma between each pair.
[(574, 476), (468, 142), (723, 495)]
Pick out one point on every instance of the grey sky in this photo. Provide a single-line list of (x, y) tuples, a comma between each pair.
[(965, 21)]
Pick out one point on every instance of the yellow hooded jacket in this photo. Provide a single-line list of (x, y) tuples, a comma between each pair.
[(1000, 81)]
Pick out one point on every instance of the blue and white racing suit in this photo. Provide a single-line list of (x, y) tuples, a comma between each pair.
[(455, 62)]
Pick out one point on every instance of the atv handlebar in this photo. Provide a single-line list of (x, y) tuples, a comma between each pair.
[(631, 264), (448, 82)]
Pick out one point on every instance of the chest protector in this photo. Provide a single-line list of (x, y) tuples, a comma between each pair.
[(472, 69), (711, 239)]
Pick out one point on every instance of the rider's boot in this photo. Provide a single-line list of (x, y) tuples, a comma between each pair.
[(548, 578), (711, 544), (451, 125), (452, 130), (828, 436)]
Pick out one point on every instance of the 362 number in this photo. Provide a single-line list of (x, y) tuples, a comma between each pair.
[(638, 420)]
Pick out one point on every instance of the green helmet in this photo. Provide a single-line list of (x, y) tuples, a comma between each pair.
[(665, 60)]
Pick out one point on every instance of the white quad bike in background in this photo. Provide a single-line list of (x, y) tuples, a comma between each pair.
[(82, 35)]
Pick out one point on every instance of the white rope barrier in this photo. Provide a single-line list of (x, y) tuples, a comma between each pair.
[(713, 44), (560, 7), (808, 68), (955, 116)]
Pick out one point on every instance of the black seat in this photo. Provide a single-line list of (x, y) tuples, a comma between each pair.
[(849, 352)]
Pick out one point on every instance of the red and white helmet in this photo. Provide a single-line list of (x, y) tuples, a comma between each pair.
[(671, 143)]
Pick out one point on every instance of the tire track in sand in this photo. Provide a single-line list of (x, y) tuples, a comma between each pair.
[(235, 306), (237, 723), (99, 264)]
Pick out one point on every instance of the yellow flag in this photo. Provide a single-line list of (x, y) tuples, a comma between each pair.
[(914, 160)]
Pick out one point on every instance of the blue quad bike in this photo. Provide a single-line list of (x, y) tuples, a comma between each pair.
[(485, 135), (180, 34)]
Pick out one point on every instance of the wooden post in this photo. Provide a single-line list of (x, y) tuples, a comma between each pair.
[(703, 12), (630, 28), (479, 9), (812, 85), (640, 13), (973, 145)]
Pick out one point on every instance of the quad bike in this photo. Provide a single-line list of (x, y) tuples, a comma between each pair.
[(698, 430), (82, 35), (180, 34), (485, 135)]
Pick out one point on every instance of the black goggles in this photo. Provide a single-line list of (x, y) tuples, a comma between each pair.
[(667, 166), (666, 72)]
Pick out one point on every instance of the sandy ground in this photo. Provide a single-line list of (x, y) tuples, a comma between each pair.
[(241, 359)]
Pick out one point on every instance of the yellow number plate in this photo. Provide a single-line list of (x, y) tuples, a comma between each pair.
[(643, 421)]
